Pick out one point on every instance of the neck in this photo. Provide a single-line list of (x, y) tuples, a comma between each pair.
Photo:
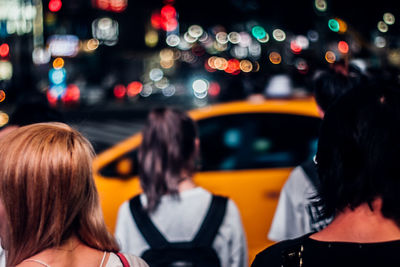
[(361, 225), (186, 184)]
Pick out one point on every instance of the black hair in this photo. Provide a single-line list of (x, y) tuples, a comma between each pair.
[(359, 151), (166, 154), (331, 83)]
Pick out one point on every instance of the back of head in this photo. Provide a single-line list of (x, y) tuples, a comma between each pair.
[(331, 83), (48, 190), (358, 150), (166, 155)]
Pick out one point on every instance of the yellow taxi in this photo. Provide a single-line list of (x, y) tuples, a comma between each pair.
[(248, 149)]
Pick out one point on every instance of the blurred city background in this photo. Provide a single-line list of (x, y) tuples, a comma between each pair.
[(104, 63)]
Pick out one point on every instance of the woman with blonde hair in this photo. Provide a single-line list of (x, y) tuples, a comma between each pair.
[(49, 206)]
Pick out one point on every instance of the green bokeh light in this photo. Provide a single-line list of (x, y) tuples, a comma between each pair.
[(258, 32), (334, 25)]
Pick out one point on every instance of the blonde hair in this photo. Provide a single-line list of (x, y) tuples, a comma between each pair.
[(48, 191)]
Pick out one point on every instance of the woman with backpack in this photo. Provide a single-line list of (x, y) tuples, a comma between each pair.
[(173, 220)]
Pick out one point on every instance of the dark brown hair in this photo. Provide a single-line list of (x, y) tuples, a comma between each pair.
[(167, 153), (48, 191)]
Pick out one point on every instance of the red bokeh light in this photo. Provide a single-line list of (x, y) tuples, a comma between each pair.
[(156, 21), (233, 66), (51, 98), (119, 91), (168, 12), (111, 5), (343, 47), (214, 89), (134, 88), (295, 47), (4, 50), (55, 5), (72, 94), (169, 24), (208, 67)]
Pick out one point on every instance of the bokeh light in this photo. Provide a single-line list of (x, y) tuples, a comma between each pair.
[(189, 38), (119, 91), (234, 37), (57, 76), (380, 41), (220, 63), (156, 74), (58, 63), (246, 65), (333, 24), (233, 66), (151, 38), (222, 37), (330, 57), (173, 40), (313, 36), (321, 5), (382, 26), (258, 32), (295, 47), (279, 35), (214, 89), (2, 95), (389, 18), (147, 90), (342, 25), (245, 39), (343, 47), (195, 31), (6, 70), (92, 44), (4, 50), (134, 88), (265, 39), (3, 118), (40, 56), (55, 5), (72, 94), (200, 86), (275, 58)]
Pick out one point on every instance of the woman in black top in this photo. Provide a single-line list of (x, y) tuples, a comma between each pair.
[(358, 165)]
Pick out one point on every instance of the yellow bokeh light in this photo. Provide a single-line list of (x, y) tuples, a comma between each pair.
[(2, 95), (342, 25), (167, 64), (92, 44), (321, 5), (394, 57), (221, 63), (58, 63), (275, 58), (166, 54), (246, 65), (382, 26), (3, 118), (211, 62), (151, 38), (389, 18), (330, 57)]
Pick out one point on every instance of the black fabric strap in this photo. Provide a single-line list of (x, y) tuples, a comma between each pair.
[(310, 168), (204, 237), (149, 231), (211, 223)]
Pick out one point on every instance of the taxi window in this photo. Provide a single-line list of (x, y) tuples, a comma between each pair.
[(256, 140)]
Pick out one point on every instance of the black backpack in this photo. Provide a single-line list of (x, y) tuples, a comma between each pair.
[(196, 253)]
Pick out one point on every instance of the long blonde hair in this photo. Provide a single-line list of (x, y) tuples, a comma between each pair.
[(48, 191)]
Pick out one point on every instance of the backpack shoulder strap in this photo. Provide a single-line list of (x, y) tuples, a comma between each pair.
[(310, 168), (148, 230), (212, 221)]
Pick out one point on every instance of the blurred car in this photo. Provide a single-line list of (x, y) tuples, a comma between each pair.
[(248, 150)]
